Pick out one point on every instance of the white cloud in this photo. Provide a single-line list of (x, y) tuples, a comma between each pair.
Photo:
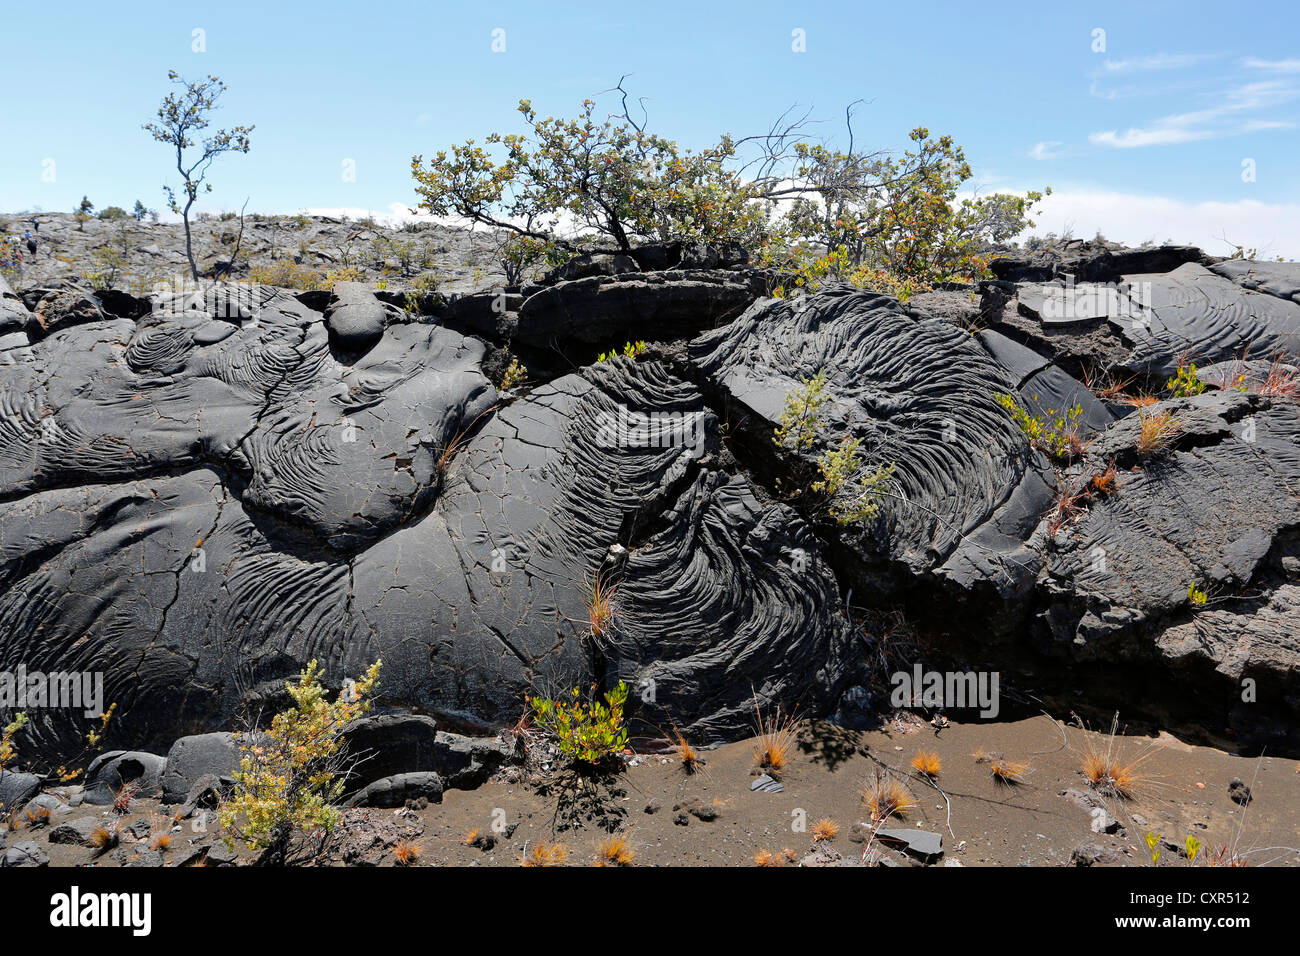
[(1273, 228), (1045, 149), (1222, 119), (1272, 66), (1156, 61)]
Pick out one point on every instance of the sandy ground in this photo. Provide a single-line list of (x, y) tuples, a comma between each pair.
[(1181, 790)]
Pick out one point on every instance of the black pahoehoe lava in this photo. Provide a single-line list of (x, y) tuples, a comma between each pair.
[(198, 499)]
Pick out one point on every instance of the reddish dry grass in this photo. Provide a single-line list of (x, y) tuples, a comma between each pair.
[(886, 796), (1156, 432), (615, 851), (776, 739), (927, 762), (824, 829), (545, 854)]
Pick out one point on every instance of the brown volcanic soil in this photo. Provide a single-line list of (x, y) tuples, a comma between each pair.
[(1032, 824)]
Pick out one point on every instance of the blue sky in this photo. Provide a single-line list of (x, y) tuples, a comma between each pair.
[(1145, 139)]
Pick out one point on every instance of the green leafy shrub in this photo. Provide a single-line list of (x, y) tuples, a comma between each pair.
[(632, 350), (1057, 434), (1185, 383), (589, 732), (290, 775), (801, 421), (855, 495)]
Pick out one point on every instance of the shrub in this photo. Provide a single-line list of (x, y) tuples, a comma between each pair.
[(611, 179), (287, 274), (1057, 434), (588, 732), (1196, 597), (801, 419), (855, 496), (287, 780), (1184, 383), (114, 212), (887, 217), (515, 375), (631, 350), (7, 749)]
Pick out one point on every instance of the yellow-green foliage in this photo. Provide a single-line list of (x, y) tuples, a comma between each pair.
[(346, 274), (1057, 434), (632, 350), (810, 272), (588, 732), (7, 749), (289, 777), (1185, 382), (856, 496), (286, 274), (514, 375), (800, 419), (1196, 596)]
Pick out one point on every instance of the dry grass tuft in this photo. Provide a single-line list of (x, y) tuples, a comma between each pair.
[(615, 851), (776, 740), (688, 755), (1104, 484), (103, 839), (545, 854), (885, 796), (927, 762), (470, 837), (1009, 772), (407, 853), (160, 842), (39, 817), (1282, 380), (599, 602), (1107, 771), (122, 799), (1156, 431), (824, 829)]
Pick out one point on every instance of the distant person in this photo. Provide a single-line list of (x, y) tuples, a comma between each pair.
[(31, 245), (36, 224)]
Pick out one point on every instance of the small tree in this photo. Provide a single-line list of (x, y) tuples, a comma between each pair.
[(288, 779), (139, 211), (82, 212), (181, 117), (876, 217), (609, 179)]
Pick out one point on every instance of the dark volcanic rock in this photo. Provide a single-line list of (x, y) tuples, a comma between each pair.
[(16, 789), (356, 319), (650, 305), (198, 500), (111, 771), (918, 393), (289, 507), (389, 744), (396, 790), (193, 757)]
